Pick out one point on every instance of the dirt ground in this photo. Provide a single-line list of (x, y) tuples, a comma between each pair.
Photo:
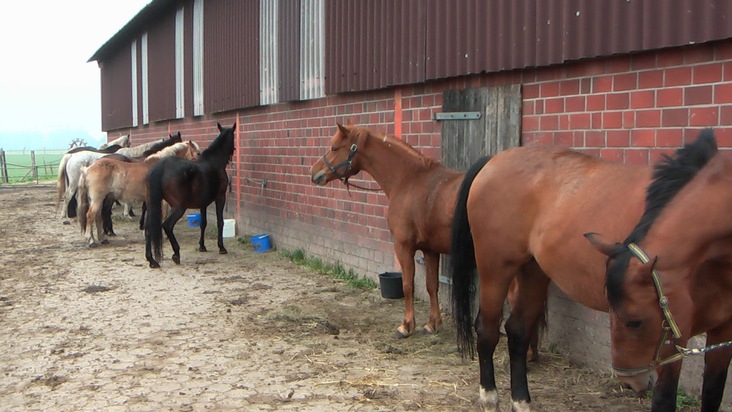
[(96, 329)]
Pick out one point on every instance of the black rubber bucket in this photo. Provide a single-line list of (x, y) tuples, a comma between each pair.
[(391, 285)]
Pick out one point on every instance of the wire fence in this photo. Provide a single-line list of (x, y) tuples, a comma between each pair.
[(29, 165)]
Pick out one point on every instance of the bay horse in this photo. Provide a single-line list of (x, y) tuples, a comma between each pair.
[(185, 184), (523, 217), (111, 179), (671, 278), (421, 193)]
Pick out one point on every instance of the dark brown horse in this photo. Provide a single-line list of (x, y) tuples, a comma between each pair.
[(671, 278), (185, 184), (421, 194)]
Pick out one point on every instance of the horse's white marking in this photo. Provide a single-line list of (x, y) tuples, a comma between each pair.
[(488, 400), (520, 406), (384, 138)]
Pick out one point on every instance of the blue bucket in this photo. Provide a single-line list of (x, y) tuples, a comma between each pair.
[(194, 220), (260, 243)]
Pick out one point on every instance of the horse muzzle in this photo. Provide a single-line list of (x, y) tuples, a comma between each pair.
[(318, 178), (638, 382)]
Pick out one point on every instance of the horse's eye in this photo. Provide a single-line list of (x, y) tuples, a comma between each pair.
[(633, 324)]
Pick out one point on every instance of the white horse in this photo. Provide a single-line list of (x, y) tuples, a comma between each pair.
[(123, 141), (69, 169)]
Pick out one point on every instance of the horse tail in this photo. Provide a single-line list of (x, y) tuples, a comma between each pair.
[(62, 179), (82, 195), (154, 218), (462, 265)]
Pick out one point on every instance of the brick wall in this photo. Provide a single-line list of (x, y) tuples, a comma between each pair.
[(628, 109)]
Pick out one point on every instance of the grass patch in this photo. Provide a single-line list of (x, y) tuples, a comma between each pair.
[(686, 401), (334, 270)]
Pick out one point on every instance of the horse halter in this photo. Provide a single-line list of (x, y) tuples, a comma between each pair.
[(668, 325), (347, 165)]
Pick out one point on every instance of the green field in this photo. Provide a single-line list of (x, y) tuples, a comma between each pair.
[(19, 165)]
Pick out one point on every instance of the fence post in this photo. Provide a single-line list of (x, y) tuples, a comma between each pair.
[(34, 168), (3, 167)]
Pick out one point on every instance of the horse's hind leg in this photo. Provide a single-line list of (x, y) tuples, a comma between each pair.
[(168, 226), (204, 223), (493, 287), (405, 255), (107, 216), (521, 327), (220, 202), (432, 264), (716, 363)]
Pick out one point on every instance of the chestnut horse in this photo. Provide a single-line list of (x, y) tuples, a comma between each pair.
[(657, 303), (523, 218), (421, 194), (185, 184), (111, 179)]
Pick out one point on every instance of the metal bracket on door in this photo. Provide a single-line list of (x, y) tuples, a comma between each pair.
[(456, 116)]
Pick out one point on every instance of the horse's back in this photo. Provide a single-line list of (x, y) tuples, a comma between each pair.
[(538, 201), (421, 211)]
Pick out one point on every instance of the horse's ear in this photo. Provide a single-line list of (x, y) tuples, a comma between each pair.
[(605, 247), (221, 129), (233, 128), (344, 130)]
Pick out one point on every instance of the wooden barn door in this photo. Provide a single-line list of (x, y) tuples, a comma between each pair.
[(476, 123)]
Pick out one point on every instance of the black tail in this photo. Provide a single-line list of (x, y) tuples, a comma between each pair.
[(154, 218), (462, 265)]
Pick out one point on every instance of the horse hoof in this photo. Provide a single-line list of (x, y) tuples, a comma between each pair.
[(176, 259), (428, 331), (202, 249), (66, 222), (92, 245), (401, 333), (105, 242), (223, 252), (154, 265)]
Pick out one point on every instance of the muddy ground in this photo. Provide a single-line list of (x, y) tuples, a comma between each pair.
[(96, 329)]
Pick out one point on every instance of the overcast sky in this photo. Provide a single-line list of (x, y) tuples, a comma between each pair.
[(46, 83)]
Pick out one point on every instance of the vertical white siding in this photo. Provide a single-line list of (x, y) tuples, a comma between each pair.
[(180, 108), (133, 59), (198, 58), (144, 74), (312, 49), (268, 52)]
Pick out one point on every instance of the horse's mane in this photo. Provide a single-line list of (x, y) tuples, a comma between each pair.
[(158, 146), (670, 175), (427, 161), (167, 151)]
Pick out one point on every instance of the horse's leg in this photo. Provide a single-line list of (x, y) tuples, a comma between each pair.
[(204, 223), (493, 287), (168, 226), (664, 392), (529, 299), (142, 215), (98, 207), (432, 267), (532, 354), (220, 202), (405, 256), (107, 216), (716, 363)]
